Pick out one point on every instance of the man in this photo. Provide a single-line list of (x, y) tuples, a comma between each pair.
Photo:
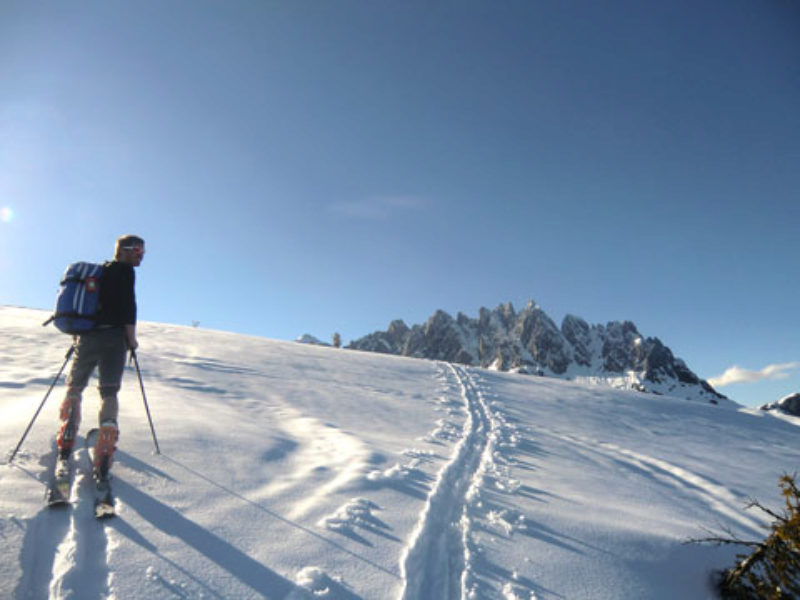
[(104, 347)]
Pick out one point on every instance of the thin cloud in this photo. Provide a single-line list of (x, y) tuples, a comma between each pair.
[(737, 374), (380, 207)]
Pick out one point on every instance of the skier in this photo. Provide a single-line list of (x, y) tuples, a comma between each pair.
[(104, 347)]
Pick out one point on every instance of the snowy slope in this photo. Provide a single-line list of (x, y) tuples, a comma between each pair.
[(296, 471)]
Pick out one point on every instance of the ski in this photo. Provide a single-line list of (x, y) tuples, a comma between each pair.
[(58, 490), (103, 498)]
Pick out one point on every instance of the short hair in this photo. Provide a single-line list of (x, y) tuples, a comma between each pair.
[(126, 241)]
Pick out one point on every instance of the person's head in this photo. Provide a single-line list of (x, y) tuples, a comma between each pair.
[(129, 249)]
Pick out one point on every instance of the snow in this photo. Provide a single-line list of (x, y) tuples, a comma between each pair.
[(301, 472)]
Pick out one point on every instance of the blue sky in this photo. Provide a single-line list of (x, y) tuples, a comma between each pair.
[(330, 166)]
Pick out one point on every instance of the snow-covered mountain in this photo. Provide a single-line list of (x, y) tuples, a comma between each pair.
[(529, 341), (307, 338), (788, 404), (300, 472)]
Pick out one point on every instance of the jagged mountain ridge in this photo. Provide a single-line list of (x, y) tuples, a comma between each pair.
[(529, 341)]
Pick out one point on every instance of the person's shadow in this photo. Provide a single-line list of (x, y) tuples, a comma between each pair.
[(247, 570)]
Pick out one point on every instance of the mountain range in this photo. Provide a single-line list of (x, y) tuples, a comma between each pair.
[(530, 342)]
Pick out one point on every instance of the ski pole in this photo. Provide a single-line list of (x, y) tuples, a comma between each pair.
[(144, 397), (46, 396)]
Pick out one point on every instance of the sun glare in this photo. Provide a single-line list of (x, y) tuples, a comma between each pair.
[(6, 214)]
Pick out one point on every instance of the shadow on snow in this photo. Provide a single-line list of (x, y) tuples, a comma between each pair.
[(247, 570)]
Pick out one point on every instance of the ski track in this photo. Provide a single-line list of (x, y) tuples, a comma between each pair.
[(80, 566), (43, 535), (440, 559), (65, 551)]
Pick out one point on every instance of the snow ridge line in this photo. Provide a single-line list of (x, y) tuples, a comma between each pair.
[(436, 561)]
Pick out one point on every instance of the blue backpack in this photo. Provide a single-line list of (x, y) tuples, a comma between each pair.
[(78, 298)]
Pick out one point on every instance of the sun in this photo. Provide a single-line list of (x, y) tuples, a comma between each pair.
[(6, 214)]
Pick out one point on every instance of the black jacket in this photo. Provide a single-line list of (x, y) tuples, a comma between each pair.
[(117, 301)]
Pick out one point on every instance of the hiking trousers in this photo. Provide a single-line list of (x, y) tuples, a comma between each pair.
[(104, 349)]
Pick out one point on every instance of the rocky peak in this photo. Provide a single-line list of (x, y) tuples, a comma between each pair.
[(578, 334), (789, 405), (529, 341)]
